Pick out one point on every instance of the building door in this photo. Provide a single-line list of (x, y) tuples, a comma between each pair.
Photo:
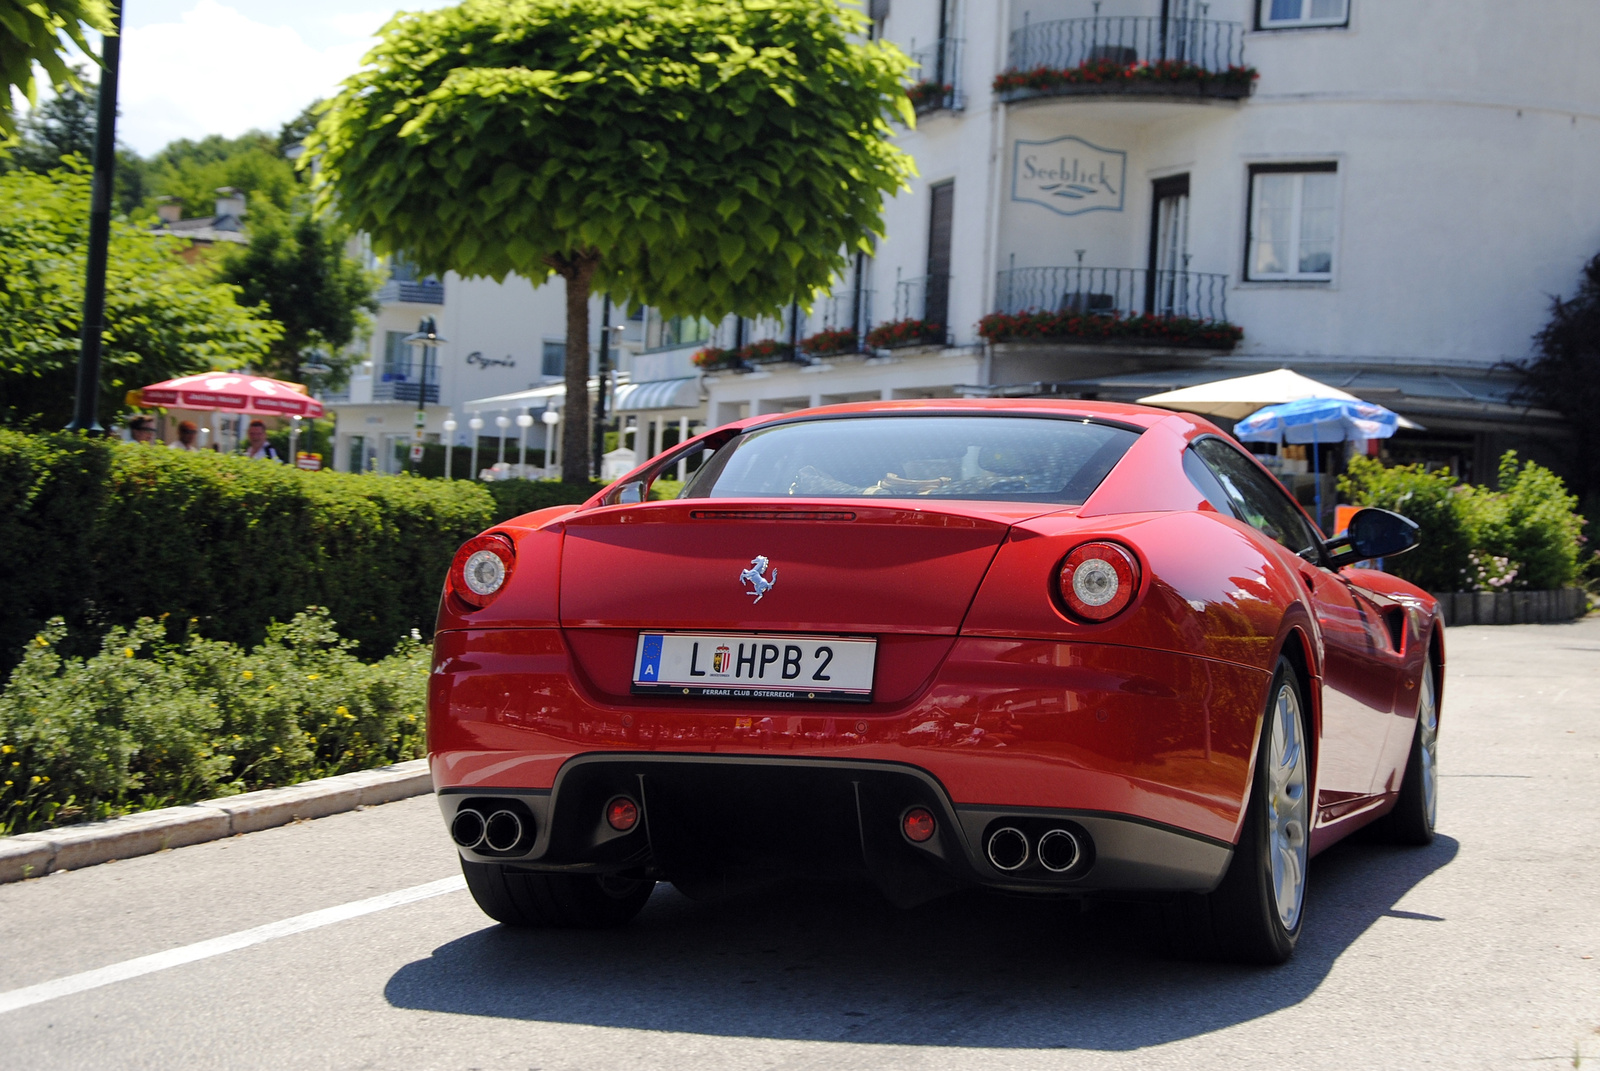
[(936, 301), (1167, 289)]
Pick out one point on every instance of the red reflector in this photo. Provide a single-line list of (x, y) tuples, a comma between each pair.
[(622, 814), (918, 824)]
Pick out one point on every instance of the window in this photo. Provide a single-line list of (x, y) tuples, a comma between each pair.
[(396, 357), (1258, 499), (1279, 14), (1010, 459), (1292, 221), (553, 359), (671, 332)]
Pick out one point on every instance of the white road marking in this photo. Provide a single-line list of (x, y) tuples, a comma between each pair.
[(216, 946)]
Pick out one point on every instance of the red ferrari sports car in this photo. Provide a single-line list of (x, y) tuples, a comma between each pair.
[(1047, 647)]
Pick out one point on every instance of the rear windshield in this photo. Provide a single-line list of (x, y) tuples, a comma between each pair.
[(1002, 458)]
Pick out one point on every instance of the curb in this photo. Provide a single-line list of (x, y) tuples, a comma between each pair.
[(32, 855)]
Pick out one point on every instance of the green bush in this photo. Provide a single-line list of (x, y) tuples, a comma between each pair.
[(1429, 498), (1524, 535), (513, 498), (102, 533), (147, 722)]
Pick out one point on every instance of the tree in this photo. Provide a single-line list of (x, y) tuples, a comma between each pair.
[(297, 270), (64, 126), (702, 156), (164, 317), (192, 171), (1565, 374), (30, 33)]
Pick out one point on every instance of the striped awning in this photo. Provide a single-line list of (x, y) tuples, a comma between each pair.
[(658, 394)]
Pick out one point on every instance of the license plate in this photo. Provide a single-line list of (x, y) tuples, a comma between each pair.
[(733, 666)]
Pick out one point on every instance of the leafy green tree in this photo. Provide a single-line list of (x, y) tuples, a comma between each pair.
[(64, 126), (1565, 375), (164, 317), (702, 156), (192, 171), (30, 34), (297, 270)]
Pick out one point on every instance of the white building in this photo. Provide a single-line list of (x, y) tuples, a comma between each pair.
[(1386, 208)]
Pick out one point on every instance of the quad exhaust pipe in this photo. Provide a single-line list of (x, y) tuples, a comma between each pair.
[(499, 831), (1009, 849)]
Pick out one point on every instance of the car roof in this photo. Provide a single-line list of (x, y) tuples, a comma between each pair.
[(1143, 416)]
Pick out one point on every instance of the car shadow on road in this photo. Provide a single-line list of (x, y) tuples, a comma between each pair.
[(831, 963)]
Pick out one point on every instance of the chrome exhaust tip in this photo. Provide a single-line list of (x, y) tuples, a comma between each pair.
[(468, 827), (1008, 849), (503, 831), (1059, 851)]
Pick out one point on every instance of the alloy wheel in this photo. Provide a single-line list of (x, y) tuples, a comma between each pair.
[(1287, 806)]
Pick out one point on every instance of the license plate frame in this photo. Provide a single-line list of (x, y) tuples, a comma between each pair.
[(712, 665)]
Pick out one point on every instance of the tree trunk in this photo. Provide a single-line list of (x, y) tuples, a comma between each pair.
[(578, 270)]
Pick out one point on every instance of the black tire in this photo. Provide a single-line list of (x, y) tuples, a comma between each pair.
[(557, 901), (1415, 811), (1240, 920)]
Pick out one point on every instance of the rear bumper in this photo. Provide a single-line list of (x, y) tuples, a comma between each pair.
[(1148, 751), (713, 823)]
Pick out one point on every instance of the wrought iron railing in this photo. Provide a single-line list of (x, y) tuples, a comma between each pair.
[(924, 298), (937, 77), (1125, 40), (416, 292), (1113, 292), (398, 391)]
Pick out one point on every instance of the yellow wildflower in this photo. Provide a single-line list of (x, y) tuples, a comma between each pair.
[(342, 711), (41, 641), (127, 652), (312, 676), (6, 749), (8, 784), (247, 675), (34, 780)]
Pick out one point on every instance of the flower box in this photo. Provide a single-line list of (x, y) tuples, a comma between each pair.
[(900, 333), (1180, 332), (1164, 78), (829, 342)]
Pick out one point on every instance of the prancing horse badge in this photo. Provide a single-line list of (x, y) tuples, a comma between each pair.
[(753, 576)]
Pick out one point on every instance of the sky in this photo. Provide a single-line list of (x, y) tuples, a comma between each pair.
[(197, 67)]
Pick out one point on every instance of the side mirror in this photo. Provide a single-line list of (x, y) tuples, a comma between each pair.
[(633, 492), (1373, 533)]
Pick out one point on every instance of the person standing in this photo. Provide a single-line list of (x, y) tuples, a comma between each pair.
[(141, 429), (188, 431), (256, 447)]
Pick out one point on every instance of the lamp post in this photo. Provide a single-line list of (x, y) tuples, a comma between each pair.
[(551, 418), (294, 440), (426, 337), (449, 442), (476, 424), (524, 422)]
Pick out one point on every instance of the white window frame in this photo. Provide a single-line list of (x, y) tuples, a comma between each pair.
[(1267, 22), (1299, 170)]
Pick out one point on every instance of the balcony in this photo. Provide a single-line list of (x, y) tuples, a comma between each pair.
[(1118, 307), (391, 389), (1127, 56), (412, 292), (937, 74)]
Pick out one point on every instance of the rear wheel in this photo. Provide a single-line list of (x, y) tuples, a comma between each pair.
[(574, 901), (1412, 820), (1255, 915)]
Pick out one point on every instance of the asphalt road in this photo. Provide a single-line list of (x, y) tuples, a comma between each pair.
[(1478, 952)]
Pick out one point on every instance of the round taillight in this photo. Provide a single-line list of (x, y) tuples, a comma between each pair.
[(481, 568), (918, 824), (622, 814), (1098, 581)]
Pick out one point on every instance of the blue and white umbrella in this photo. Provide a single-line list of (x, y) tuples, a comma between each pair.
[(1317, 420)]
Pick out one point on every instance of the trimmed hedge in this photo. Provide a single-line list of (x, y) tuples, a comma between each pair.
[(101, 533)]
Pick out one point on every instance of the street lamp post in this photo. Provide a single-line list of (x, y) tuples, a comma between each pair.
[(502, 422), (427, 338), (476, 424), (449, 442), (551, 418), (524, 422)]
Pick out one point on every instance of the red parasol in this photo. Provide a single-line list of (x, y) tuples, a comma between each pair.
[(233, 392)]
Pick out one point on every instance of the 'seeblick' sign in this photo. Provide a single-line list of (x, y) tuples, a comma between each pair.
[(1068, 175)]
